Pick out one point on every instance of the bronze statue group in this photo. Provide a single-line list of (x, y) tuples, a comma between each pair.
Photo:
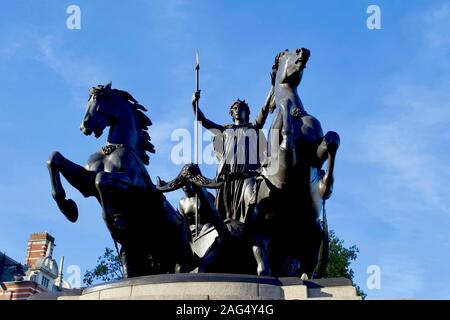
[(270, 191)]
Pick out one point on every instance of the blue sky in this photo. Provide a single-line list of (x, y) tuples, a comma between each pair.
[(385, 91)]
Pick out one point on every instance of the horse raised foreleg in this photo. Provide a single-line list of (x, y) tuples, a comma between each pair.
[(327, 150), (76, 175)]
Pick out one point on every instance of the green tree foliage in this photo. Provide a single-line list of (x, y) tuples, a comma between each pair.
[(340, 259), (108, 268)]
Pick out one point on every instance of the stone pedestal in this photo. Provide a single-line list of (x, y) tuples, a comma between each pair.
[(203, 286)]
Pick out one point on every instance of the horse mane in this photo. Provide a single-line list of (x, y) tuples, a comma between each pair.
[(143, 121)]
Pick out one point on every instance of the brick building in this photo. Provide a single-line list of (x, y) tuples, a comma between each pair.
[(39, 274)]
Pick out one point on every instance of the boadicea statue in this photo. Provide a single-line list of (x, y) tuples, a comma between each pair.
[(281, 234), (277, 231)]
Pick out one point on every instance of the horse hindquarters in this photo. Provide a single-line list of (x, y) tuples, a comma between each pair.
[(311, 242), (287, 241)]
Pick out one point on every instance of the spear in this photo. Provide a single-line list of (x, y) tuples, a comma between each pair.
[(197, 69)]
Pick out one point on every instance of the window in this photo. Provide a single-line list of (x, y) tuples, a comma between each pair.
[(45, 281)]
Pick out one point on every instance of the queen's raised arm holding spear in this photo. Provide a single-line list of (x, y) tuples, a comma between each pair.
[(235, 147)]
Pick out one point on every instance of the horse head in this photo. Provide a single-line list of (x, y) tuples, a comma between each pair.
[(100, 112), (118, 109), (289, 66)]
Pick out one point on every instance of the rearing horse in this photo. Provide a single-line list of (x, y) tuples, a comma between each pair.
[(288, 235), (154, 237)]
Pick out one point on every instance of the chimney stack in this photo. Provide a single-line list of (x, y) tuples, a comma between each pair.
[(39, 245)]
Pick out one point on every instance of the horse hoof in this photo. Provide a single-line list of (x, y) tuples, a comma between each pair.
[(69, 209), (333, 141)]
